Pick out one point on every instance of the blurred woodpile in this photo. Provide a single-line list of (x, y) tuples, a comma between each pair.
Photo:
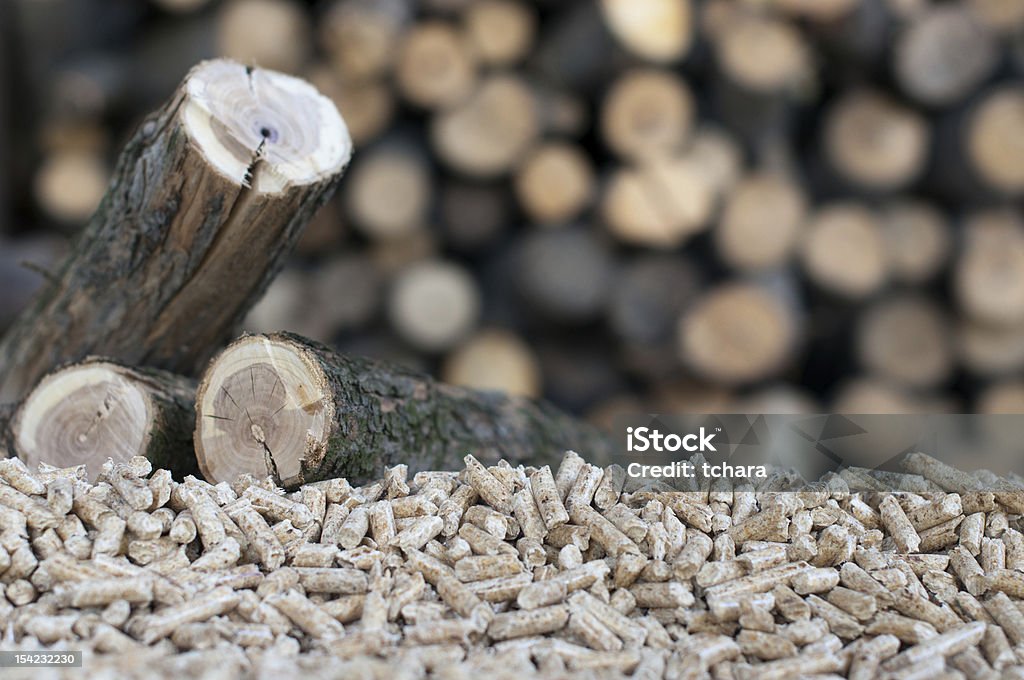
[(623, 205)]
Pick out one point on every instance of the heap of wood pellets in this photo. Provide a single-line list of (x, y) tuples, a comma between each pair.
[(516, 571)]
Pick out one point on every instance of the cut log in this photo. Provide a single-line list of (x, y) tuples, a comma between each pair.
[(69, 185), (473, 216), (995, 140), (293, 409), (944, 55), (761, 222), (555, 183), (656, 30), (207, 199), (875, 142), (273, 34), (761, 54), (844, 251), (659, 205), (867, 395), (388, 191), (360, 37), (564, 274), (647, 114), (718, 155), (989, 275), (488, 134), (501, 32), (917, 240), (990, 351), (906, 340), (434, 68), (647, 296), (87, 412), (494, 359), (737, 333), (433, 305)]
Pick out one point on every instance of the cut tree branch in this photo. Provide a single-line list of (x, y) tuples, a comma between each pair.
[(284, 406), (207, 199)]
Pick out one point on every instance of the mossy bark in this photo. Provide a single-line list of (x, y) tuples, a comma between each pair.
[(386, 414), (381, 414)]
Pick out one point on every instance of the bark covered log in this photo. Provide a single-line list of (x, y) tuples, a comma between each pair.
[(288, 407), (208, 197), (87, 412)]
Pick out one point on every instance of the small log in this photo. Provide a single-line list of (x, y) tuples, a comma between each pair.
[(874, 142), (288, 407), (361, 36), (434, 67), (494, 360), (989, 275), (577, 51), (918, 240), (738, 333), (86, 412), (661, 204), (655, 30), (994, 140), (207, 199), (392, 256), (473, 215), (273, 34), (500, 32), (868, 395), (555, 183), (388, 192), (69, 185), (924, 55), (647, 296), (761, 222), (718, 155), (906, 340), (647, 114), (491, 131), (990, 351), (564, 274), (434, 304), (844, 251)]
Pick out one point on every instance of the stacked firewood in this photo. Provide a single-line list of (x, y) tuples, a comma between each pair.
[(621, 205)]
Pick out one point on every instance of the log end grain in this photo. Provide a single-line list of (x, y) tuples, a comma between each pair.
[(263, 408), (995, 140), (264, 129), (656, 30), (88, 412)]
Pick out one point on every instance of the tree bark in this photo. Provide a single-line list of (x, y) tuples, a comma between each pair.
[(208, 198), (286, 406), (86, 412)]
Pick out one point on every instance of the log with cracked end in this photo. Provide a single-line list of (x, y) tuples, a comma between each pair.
[(218, 184), (285, 406), (87, 412)]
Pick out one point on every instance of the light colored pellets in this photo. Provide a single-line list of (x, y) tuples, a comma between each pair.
[(262, 540), (490, 488), (815, 581), (548, 496), (531, 522), (483, 567), (204, 513), (311, 619), (522, 623), (899, 527)]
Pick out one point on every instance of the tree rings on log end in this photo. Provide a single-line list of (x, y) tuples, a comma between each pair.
[(85, 413), (263, 408), (264, 129)]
